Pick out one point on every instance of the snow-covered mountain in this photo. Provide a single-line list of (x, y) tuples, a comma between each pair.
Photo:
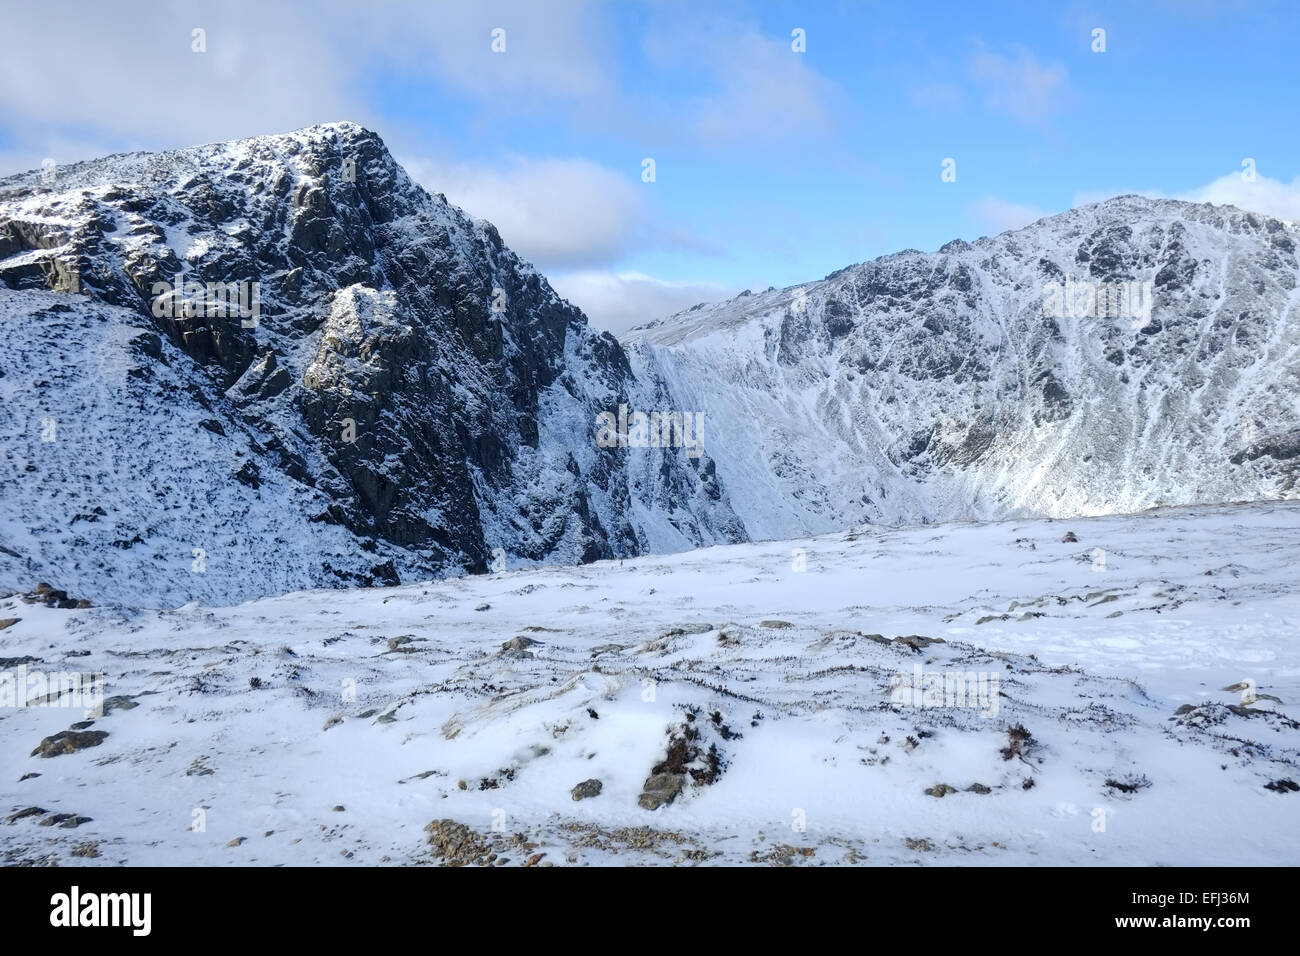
[(356, 383), (934, 386), (398, 396)]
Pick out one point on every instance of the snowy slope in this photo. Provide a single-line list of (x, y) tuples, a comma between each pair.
[(525, 684), (923, 387), (114, 474)]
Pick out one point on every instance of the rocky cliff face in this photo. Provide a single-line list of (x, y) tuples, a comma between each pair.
[(278, 363), (934, 386), (407, 379)]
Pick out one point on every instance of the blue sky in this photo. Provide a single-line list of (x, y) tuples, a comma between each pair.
[(772, 166)]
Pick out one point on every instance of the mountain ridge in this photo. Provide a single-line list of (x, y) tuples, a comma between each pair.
[(412, 399), (931, 386)]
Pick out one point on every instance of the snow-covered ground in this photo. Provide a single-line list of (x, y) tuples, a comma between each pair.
[(773, 684)]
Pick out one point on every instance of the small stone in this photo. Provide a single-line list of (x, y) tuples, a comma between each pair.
[(661, 788), (940, 790), (586, 789), (339, 808), (517, 647), (978, 788), (665, 782)]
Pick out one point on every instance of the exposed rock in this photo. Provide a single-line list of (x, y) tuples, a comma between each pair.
[(24, 813), (66, 821), (69, 741), (458, 845), (517, 647), (917, 641), (661, 788)]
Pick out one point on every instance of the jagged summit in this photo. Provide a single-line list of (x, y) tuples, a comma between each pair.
[(1115, 211)]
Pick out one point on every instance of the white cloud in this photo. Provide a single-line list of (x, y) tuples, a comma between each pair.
[(557, 49), (1264, 195), (617, 302), (757, 87), (126, 74), (1021, 88), (1000, 215), (1269, 197), (557, 213)]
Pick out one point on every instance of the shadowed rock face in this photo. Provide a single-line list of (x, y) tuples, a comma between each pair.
[(404, 362)]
